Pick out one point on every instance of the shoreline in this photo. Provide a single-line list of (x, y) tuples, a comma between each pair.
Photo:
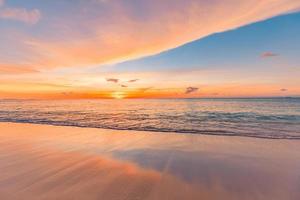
[(158, 131), (64, 162)]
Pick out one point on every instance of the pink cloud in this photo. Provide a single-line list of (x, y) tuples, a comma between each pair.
[(103, 32), (268, 54), (21, 14)]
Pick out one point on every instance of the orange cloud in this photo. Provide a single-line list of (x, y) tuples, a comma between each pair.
[(113, 31)]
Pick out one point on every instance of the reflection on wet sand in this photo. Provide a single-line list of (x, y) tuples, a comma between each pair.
[(47, 162)]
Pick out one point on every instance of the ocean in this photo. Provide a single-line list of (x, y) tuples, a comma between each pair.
[(276, 118)]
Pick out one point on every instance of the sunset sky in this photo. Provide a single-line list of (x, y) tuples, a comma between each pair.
[(149, 48)]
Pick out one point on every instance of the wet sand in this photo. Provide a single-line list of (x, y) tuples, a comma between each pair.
[(52, 162)]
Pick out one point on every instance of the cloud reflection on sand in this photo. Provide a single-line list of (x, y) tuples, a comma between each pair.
[(46, 162)]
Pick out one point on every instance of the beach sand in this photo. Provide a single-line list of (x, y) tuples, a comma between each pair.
[(51, 162)]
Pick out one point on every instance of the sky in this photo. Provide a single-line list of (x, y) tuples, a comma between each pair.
[(149, 49)]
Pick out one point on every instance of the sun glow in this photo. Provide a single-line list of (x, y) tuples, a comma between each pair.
[(118, 95)]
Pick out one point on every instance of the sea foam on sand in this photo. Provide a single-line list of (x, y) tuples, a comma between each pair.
[(52, 162)]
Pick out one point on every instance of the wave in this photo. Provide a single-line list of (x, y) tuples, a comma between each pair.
[(163, 130)]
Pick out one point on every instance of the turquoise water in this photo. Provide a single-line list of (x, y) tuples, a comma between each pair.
[(265, 118)]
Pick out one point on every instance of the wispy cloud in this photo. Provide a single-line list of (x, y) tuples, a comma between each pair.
[(133, 80), (124, 86), (145, 89), (268, 54), (190, 90), (114, 80), (12, 69), (114, 31), (283, 90), (20, 14)]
